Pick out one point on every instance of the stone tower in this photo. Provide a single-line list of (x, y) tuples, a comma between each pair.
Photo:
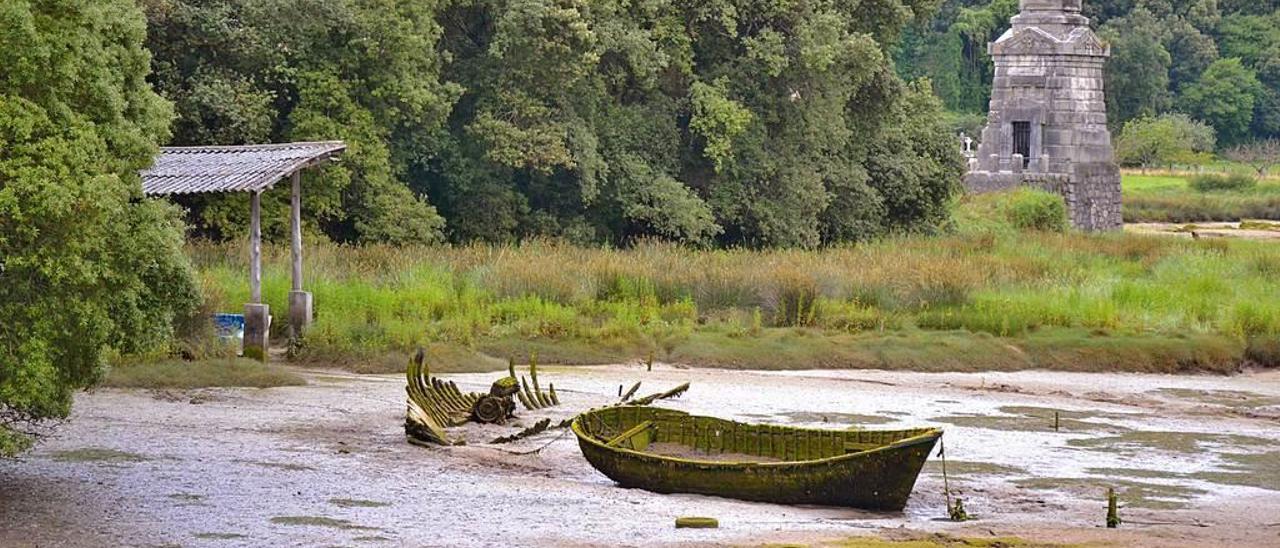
[(1047, 126)]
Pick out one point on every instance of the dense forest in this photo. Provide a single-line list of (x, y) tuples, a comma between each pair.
[(1217, 61), (727, 122)]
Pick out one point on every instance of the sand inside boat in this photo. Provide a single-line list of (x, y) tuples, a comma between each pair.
[(685, 452)]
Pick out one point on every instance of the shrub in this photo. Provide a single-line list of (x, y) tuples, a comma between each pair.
[(1234, 182), (86, 263), (1037, 210)]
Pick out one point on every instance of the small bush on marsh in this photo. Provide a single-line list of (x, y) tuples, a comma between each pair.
[(1029, 209), (1234, 182)]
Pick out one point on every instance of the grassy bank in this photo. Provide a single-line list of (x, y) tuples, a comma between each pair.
[(177, 374), (977, 300), (1169, 199)]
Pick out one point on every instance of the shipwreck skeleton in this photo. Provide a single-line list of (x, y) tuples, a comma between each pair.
[(435, 404)]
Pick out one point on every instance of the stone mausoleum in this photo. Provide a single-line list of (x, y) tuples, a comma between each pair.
[(1047, 127)]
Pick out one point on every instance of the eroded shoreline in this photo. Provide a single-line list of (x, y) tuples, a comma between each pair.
[(1194, 457)]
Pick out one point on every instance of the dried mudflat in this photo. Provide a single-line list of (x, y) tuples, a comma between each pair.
[(1196, 461)]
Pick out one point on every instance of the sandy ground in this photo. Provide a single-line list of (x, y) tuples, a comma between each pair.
[(1203, 230), (1196, 461)]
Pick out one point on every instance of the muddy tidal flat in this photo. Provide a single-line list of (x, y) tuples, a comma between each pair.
[(1195, 460)]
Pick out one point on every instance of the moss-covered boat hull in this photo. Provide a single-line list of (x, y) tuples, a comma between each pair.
[(871, 469)]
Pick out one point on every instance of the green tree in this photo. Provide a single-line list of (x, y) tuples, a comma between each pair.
[(1164, 141), (1138, 71), (1224, 97), (363, 71), (733, 121), (1190, 51), (86, 262)]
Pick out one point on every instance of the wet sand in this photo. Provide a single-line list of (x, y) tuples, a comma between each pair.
[(1196, 461)]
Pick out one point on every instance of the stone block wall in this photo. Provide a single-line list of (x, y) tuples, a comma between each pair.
[(1049, 75)]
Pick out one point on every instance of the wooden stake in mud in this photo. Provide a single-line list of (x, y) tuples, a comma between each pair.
[(1055, 421), (627, 395), (1113, 515)]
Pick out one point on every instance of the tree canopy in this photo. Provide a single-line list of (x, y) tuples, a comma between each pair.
[(730, 122), (86, 262), (1165, 140)]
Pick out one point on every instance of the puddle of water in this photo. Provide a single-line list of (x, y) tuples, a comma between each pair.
[(98, 454), (1137, 443), (1131, 493), (1238, 399), (1036, 419), (972, 468), (1260, 470), (1133, 473), (837, 419)]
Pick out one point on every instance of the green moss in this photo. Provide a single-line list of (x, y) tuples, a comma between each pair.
[(185, 496), (357, 503), (1138, 443), (1132, 494), (255, 354), (1133, 473), (97, 454), (318, 521), (1260, 470), (692, 522), (219, 536)]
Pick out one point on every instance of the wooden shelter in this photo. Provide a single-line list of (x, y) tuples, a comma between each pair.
[(252, 169)]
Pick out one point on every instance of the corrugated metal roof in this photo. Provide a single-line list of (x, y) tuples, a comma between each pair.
[(245, 168)]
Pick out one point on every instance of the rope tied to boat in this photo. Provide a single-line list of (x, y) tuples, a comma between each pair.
[(955, 511), (531, 451)]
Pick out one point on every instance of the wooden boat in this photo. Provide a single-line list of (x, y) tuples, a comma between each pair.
[(668, 451)]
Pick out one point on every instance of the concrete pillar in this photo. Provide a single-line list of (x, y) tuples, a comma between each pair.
[(299, 312), (257, 316), (257, 330), (299, 300)]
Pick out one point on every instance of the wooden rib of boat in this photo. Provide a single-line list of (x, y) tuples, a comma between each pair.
[(668, 451)]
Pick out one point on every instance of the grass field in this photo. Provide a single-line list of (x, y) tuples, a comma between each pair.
[(979, 299), (1169, 199)]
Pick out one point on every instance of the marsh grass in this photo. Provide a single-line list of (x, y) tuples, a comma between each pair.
[(178, 374), (1172, 199), (983, 297)]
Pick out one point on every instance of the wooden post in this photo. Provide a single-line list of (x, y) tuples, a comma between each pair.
[(255, 247), (296, 217)]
